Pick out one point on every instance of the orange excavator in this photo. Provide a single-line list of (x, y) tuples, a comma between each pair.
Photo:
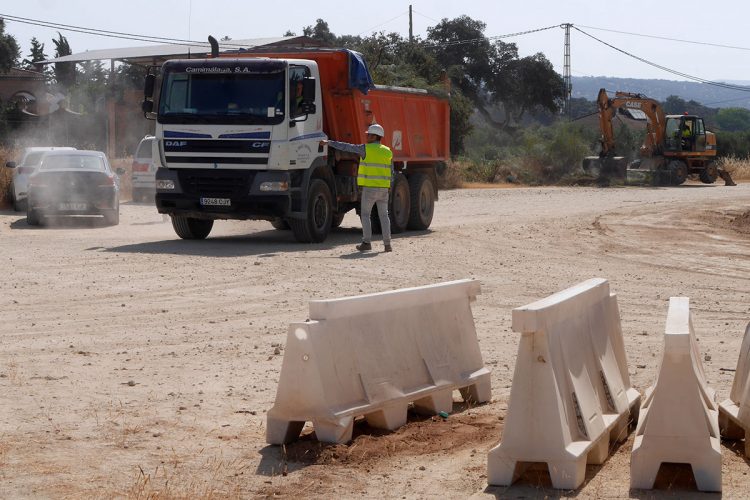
[(675, 146)]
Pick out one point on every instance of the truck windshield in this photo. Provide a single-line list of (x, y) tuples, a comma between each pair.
[(256, 99)]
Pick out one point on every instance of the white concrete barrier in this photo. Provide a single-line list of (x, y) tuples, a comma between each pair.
[(734, 413), (679, 418), (571, 392), (374, 354)]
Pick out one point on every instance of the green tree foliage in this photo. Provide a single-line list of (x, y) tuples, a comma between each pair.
[(733, 119), (36, 54), (9, 50), (65, 73), (321, 32)]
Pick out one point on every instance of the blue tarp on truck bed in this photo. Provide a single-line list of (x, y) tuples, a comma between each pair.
[(359, 75)]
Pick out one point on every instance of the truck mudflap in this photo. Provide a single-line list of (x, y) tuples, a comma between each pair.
[(223, 193)]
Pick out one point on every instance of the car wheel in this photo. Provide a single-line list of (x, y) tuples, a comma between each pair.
[(33, 218), (112, 217)]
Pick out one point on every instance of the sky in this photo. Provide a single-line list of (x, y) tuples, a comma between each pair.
[(714, 27)]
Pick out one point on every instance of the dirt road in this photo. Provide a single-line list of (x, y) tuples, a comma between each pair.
[(132, 362)]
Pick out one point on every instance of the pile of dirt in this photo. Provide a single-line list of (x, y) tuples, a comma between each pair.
[(420, 436), (741, 222)]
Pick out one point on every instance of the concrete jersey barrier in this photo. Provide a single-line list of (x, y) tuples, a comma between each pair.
[(734, 412), (374, 354), (679, 419), (571, 392)]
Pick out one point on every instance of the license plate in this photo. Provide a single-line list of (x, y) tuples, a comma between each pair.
[(73, 206), (216, 202)]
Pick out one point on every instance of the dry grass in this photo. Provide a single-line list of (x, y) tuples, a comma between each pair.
[(176, 482), (452, 177), (6, 174), (739, 168)]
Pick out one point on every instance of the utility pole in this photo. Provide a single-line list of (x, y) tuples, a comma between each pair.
[(567, 80), (411, 30)]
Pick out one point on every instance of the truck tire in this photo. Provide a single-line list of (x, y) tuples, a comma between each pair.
[(422, 196), (189, 228), (399, 209), (315, 227), (280, 224), (709, 174), (678, 172), (33, 218)]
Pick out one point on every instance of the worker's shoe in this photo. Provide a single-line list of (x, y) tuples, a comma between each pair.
[(364, 246), (388, 248)]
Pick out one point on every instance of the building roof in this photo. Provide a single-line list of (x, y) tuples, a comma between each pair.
[(22, 74), (154, 54)]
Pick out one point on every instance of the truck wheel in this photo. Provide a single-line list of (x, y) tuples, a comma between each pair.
[(315, 227), (399, 209), (709, 174), (422, 195), (189, 228), (678, 172), (33, 218), (280, 224)]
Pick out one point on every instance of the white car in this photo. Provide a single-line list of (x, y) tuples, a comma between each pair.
[(144, 171), (30, 160)]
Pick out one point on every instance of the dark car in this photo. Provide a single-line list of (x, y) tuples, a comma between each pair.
[(73, 183)]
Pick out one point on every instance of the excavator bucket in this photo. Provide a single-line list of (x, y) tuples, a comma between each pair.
[(605, 169)]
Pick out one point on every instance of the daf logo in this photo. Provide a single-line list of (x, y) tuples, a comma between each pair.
[(178, 144)]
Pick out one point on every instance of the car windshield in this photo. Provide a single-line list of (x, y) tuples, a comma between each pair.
[(32, 159), (73, 162), (222, 97)]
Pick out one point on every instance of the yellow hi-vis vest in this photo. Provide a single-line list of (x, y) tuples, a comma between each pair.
[(375, 168)]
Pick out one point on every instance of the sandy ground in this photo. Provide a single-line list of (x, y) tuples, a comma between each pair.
[(133, 363)]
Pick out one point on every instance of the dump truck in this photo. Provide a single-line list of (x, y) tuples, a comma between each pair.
[(674, 147), (238, 137)]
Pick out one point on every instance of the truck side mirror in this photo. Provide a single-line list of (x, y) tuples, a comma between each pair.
[(148, 86), (308, 89)]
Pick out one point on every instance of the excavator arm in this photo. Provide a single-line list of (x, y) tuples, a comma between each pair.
[(651, 108)]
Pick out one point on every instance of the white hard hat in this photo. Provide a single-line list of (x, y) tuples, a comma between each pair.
[(376, 129)]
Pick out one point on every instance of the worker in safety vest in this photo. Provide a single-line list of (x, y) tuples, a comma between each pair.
[(374, 177)]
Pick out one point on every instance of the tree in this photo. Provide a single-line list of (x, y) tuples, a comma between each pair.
[(36, 54), (9, 50), (534, 84), (290, 33), (65, 73), (320, 32), (733, 119)]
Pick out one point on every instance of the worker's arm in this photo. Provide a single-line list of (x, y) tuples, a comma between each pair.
[(358, 149)]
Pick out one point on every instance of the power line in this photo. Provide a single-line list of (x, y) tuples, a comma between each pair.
[(383, 23), (107, 33), (488, 38), (664, 68), (424, 15), (667, 38)]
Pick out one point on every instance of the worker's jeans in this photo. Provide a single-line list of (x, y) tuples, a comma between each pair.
[(375, 196)]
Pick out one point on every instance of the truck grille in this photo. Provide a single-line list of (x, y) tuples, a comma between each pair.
[(216, 183)]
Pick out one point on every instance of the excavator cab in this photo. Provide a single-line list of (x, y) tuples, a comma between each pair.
[(685, 133)]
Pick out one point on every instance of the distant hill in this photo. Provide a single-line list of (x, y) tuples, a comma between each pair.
[(587, 87)]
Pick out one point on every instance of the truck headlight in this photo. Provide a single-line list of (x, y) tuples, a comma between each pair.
[(164, 184), (274, 186)]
